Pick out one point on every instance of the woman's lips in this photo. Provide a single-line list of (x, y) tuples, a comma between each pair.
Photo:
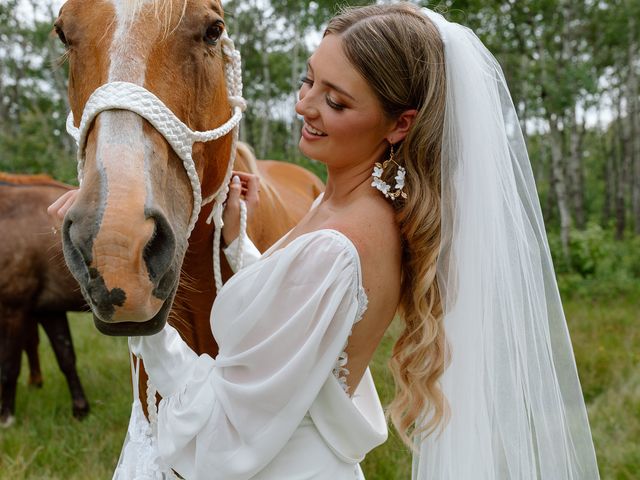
[(310, 133)]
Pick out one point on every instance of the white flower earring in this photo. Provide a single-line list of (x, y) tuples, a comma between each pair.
[(385, 188)]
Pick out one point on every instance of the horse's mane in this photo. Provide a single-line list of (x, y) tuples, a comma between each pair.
[(23, 179), (246, 158)]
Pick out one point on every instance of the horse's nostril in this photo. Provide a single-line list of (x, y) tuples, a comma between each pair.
[(159, 252), (76, 246)]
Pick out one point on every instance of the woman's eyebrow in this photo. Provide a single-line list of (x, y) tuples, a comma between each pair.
[(332, 86)]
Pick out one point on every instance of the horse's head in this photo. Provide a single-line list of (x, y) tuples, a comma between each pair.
[(126, 235)]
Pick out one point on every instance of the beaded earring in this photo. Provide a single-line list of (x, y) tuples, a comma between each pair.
[(384, 187)]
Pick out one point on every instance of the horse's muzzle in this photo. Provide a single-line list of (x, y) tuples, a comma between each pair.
[(135, 297)]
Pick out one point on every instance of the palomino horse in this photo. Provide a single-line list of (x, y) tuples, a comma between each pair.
[(35, 286), (126, 238)]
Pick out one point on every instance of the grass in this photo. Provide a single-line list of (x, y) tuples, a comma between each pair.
[(48, 443)]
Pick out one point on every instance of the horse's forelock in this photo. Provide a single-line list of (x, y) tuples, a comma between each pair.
[(164, 10)]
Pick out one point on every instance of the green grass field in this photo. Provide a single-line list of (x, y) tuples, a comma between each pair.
[(48, 443)]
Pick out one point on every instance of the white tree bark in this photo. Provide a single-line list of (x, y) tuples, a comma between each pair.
[(560, 183), (295, 72), (633, 114)]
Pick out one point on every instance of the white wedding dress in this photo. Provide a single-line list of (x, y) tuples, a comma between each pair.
[(273, 404)]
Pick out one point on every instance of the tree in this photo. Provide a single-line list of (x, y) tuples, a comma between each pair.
[(33, 100)]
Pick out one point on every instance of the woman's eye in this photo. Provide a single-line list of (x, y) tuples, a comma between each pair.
[(61, 35), (306, 81), (334, 105), (214, 32)]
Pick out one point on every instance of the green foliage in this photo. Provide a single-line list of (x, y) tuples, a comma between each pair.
[(33, 102), (599, 266)]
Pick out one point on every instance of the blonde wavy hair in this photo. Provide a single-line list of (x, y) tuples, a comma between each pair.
[(399, 52)]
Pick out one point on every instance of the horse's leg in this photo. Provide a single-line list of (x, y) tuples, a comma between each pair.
[(32, 340), (12, 335), (57, 327)]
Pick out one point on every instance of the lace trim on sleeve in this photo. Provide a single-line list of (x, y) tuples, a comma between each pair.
[(340, 370)]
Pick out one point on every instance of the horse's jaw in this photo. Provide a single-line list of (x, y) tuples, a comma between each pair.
[(133, 329)]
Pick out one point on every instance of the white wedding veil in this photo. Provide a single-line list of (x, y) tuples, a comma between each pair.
[(516, 407)]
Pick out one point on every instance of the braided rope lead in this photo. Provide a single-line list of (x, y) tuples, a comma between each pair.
[(233, 74), (243, 235)]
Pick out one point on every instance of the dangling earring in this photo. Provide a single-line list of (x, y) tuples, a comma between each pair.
[(385, 188)]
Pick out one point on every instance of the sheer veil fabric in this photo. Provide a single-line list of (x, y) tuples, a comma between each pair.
[(516, 406)]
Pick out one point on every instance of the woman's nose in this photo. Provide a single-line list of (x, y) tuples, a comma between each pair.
[(305, 106)]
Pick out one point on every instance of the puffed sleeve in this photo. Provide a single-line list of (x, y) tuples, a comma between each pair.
[(280, 324)]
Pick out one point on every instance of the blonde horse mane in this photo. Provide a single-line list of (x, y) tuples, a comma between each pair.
[(245, 157)]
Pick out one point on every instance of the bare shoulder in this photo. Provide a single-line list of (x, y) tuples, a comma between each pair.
[(370, 224)]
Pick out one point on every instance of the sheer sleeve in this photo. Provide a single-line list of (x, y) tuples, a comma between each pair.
[(280, 324)]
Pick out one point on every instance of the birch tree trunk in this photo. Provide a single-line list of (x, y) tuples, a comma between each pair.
[(621, 170), (607, 153), (265, 124), (560, 183), (295, 72), (575, 169), (633, 111)]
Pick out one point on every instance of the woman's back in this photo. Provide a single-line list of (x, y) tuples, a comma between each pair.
[(368, 220)]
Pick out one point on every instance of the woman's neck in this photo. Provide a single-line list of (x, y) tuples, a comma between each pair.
[(343, 184)]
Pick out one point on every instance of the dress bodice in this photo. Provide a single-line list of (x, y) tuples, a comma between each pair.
[(340, 370)]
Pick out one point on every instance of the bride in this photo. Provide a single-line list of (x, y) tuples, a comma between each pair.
[(430, 212)]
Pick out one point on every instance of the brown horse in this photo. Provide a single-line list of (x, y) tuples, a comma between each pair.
[(125, 238), (35, 286)]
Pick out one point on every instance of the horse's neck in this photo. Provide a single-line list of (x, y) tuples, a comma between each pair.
[(196, 290)]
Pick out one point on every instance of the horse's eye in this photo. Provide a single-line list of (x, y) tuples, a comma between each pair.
[(61, 35), (213, 32)]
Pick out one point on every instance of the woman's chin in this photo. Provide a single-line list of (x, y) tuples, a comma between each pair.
[(310, 152)]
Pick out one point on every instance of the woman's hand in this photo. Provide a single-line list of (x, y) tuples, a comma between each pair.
[(58, 209), (246, 186)]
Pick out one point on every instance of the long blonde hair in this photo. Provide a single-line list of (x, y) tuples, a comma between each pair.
[(399, 52)]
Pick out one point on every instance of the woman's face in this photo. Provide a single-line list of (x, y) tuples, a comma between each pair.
[(343, 121)]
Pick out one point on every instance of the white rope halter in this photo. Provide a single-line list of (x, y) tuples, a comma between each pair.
[(137, 99)]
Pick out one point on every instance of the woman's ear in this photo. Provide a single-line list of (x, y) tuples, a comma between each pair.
[(402, 126)]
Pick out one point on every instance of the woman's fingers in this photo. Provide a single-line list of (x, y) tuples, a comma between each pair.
[(235, 190), (61, 206), (252, 191), (250, 188)]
